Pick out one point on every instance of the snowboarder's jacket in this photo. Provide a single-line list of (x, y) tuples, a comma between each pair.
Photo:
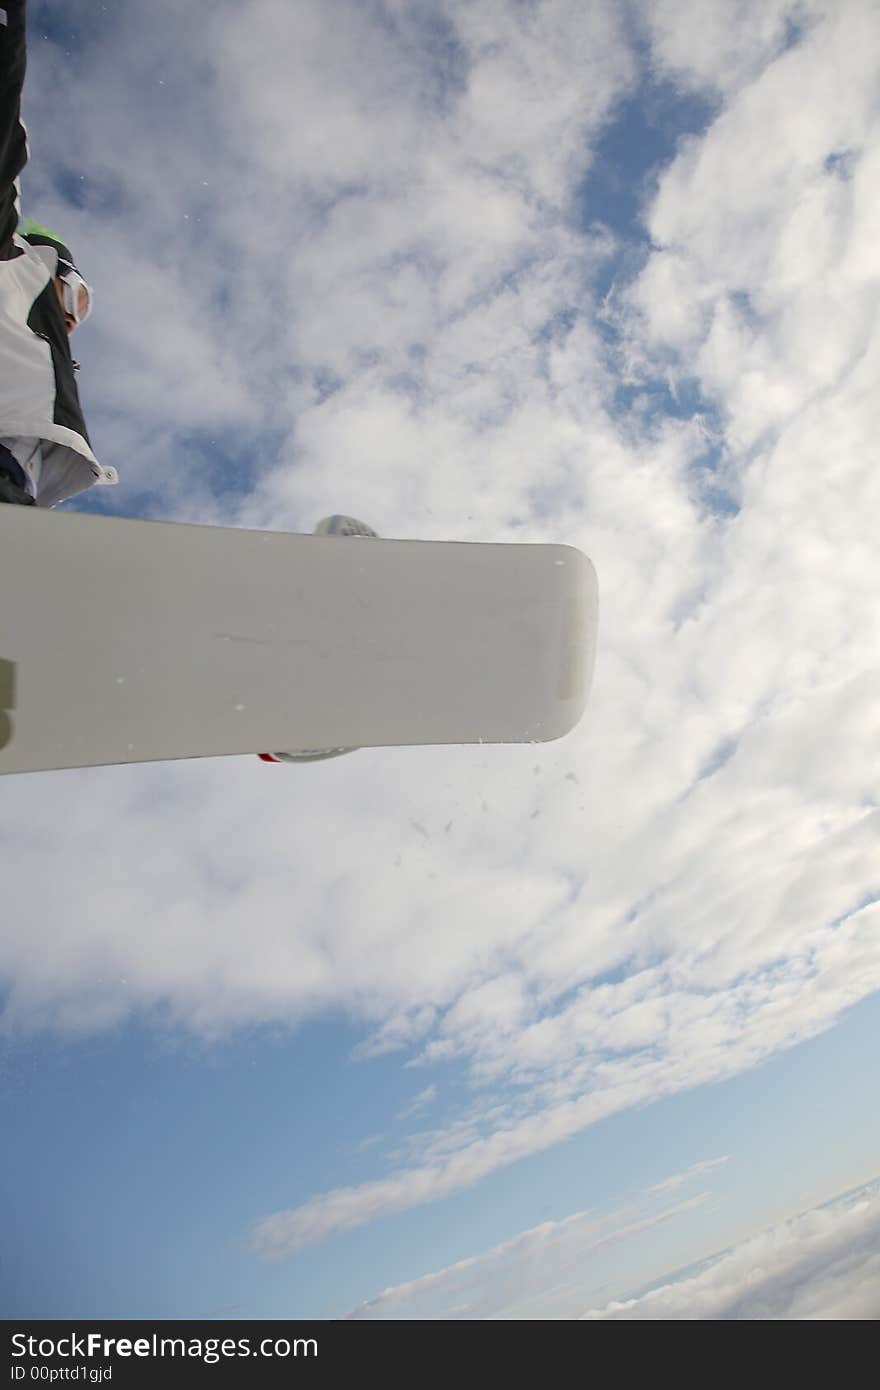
[(39, 403)]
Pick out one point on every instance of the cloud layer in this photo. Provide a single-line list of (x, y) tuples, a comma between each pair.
[(823, 1264), (539, 1272), (820, 1264)]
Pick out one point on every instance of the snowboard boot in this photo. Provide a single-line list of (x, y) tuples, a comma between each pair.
[(329, 526), (344, 526)]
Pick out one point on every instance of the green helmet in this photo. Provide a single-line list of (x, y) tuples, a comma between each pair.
[(36, 235)]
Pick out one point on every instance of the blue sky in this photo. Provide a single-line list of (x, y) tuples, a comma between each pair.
[(139, 1164), (508, 1032)]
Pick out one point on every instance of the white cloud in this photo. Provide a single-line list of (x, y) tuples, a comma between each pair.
[(685, 884), (823, 1264), (419, 1103), (761, 276), (677, 1180), (575, 1078), (732, 44)]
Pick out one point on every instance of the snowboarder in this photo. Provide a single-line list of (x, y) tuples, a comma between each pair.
[(45, 453)]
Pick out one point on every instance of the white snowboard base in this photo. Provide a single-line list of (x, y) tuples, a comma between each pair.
[(129, 641)]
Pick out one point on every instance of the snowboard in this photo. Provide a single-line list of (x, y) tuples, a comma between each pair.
[(130, 641)]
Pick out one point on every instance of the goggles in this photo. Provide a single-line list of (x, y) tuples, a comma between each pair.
[(76, 294)]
